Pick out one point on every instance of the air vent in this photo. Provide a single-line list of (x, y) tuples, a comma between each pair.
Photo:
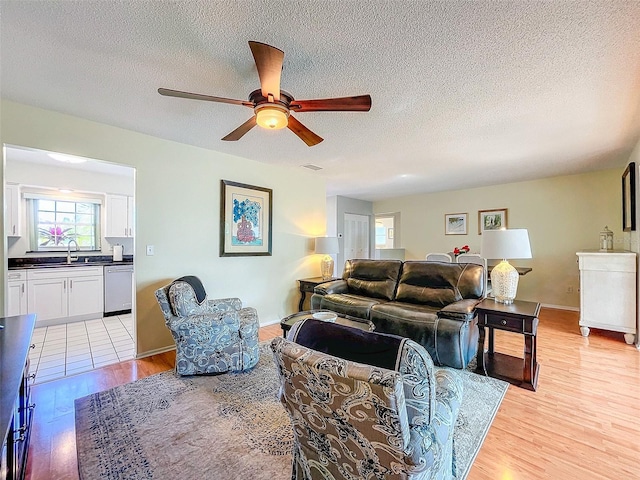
[(310, 166)]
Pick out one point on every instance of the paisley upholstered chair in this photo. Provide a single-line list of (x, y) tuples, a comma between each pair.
[(212, 336), (365, 405)]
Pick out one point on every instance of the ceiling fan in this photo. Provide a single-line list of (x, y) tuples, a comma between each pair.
[(272, 106)]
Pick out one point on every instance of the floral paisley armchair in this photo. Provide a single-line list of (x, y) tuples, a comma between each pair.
[(212, 336), (365, 405)]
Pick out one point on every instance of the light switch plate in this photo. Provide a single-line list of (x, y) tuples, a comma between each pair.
[(150, 250)]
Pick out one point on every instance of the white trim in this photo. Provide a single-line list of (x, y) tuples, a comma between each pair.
[(62, 197), (270, 322), (560, 307), (155, 351)]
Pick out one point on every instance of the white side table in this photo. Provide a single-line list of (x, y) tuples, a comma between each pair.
[(608, 292)]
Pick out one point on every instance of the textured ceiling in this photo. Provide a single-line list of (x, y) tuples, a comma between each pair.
[(464, 93)]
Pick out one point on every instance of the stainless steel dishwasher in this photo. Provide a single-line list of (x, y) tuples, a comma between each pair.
[(118, 289)]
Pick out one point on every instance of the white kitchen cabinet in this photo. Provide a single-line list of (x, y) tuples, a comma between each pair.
[(58, 295), (119, 216), (16, 303), (12, 211), (608, 292), (86, 295)]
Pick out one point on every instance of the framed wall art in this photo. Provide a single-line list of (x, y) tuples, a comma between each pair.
[(455, 224), (629, 198), (245, 219), (492, 219)]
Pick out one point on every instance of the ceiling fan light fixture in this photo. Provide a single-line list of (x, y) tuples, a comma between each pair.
[(272, 117)]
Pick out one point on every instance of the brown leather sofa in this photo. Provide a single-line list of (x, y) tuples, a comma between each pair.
[(431, 303)]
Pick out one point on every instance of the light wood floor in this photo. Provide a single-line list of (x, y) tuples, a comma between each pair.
[(582, 423)]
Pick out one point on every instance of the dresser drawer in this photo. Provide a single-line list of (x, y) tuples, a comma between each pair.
[(514, 324), (307, 287)]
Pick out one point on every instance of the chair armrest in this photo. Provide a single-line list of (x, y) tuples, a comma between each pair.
[(464, 310), (205, 324), (334, 286), (249, 323), (223, 304), (448, 400)]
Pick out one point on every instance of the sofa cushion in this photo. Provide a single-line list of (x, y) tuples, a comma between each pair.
[(347, 304), (439, 284), (372, 278)]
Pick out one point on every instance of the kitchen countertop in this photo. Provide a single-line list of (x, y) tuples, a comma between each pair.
[(59, 262)]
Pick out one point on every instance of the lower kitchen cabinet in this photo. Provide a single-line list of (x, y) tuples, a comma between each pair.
[(74, 293), (16, 303)]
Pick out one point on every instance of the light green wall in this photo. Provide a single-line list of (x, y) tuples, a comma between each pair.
[(177, 210), (563, 215)]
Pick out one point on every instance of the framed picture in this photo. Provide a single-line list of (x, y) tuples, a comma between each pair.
[(245, 219), (455, 224), (629, 198), (492, 219)]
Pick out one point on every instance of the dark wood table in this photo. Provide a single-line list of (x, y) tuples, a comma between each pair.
[(519, 317), (521, 270), (287, 322), (307, 285), (16, 409)]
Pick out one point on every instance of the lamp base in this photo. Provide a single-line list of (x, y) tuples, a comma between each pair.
[(326, 267), (504, 282)]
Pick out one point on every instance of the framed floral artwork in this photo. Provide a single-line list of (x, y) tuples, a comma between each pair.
[(492, 219), (455, 224), (245, 219)]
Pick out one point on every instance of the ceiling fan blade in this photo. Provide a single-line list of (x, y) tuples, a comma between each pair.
[(361, 103), (269, 63), (306, 135), (239, 132), (197, 96)]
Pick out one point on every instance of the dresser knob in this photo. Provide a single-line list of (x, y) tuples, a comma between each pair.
[(503, 322)]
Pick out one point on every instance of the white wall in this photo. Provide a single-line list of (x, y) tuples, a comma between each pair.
[(563, 215), (178, 204)]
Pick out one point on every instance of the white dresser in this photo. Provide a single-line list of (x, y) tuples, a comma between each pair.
[(608, 292)]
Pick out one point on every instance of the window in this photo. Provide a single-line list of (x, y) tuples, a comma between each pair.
[(385, 224), (55, 222)]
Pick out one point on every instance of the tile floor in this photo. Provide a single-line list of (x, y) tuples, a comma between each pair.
[(63, 350)]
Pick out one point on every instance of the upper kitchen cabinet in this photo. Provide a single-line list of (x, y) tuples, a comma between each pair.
[(12, 202), (119, 216)]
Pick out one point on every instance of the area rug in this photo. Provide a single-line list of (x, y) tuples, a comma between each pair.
[(224, 427)]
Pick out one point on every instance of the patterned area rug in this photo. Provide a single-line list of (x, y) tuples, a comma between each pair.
[(225, 426)]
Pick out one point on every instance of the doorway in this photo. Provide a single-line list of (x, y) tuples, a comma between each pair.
[(79, 337), (356, 236)]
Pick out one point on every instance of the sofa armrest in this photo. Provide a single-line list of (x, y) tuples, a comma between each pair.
[(334, 286), (464, 310)]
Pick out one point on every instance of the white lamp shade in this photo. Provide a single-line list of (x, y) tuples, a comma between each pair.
[(327, 245), (503, 244)]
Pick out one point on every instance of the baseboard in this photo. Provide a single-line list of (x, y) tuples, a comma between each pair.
[(155, 351), (560, 307), (270, 322)]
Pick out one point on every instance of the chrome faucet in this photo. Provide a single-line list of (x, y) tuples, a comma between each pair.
[(69, 257)]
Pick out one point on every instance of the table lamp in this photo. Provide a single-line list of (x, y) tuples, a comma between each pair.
[(503, 244), (327, 246)]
